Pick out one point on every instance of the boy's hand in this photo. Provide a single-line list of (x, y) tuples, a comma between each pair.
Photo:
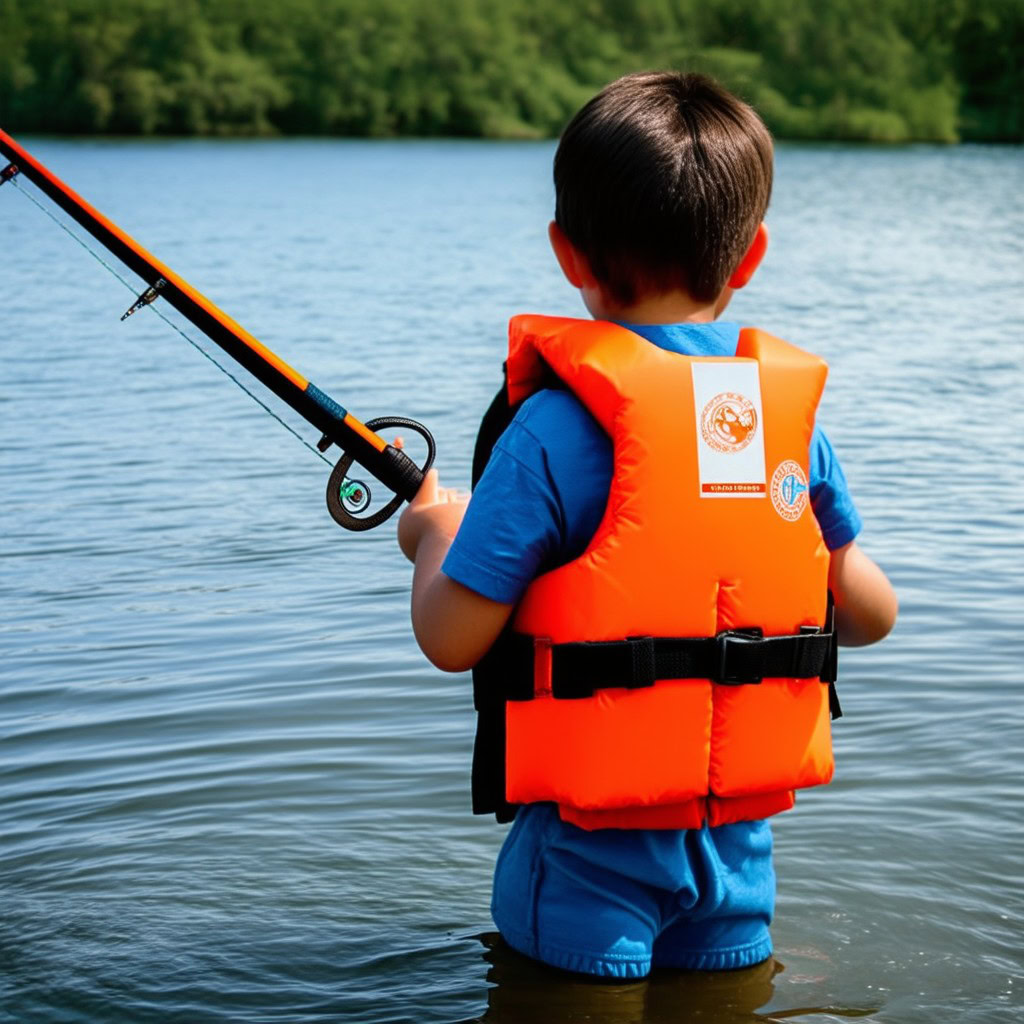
[(435, 511), (453, 625)]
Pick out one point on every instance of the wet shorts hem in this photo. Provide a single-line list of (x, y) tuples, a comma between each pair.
[(606, 965), (613, 965), (730, 958)]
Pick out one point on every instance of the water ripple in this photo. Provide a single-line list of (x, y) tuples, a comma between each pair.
[(233, 789)]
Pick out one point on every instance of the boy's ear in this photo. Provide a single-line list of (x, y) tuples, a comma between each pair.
[(573, 263), (752, 260)]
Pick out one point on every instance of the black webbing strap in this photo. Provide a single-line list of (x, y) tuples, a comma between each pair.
[(732, 658)]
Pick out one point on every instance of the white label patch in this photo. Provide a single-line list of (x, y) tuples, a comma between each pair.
[(730, 429)]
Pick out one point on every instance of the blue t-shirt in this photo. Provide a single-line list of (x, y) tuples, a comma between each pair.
[(536, 507)]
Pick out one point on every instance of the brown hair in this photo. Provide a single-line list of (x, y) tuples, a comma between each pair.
[(661, 181)]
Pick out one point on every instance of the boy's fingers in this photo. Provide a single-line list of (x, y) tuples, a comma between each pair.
[(427, 494), (432, 493), (452, 496)]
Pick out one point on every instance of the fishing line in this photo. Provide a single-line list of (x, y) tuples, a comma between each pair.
[(170, 323)]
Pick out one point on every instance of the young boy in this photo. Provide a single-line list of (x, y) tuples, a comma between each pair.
[(654, 509)]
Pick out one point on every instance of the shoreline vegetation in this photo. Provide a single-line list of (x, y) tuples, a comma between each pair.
[(885, 71)]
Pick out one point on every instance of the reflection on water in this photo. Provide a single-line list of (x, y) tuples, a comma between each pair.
[(526, 992)]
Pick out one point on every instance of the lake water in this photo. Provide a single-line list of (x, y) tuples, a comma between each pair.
[(231, 789)]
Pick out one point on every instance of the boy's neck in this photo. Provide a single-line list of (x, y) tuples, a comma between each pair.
[(674, 307)]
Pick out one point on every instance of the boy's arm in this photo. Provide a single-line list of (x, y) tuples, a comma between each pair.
[(454, 625), (866, 604)]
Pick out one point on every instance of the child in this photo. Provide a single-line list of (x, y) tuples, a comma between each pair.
[(642, 493)]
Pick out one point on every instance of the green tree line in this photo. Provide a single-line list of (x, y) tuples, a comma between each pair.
[(884, 70)]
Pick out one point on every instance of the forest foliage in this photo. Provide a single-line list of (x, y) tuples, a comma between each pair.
[(887, 70)]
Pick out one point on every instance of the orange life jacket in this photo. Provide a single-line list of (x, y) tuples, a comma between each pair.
[(707, 539)]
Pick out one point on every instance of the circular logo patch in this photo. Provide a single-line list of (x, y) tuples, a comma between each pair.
[(789, 490), (728, 422)]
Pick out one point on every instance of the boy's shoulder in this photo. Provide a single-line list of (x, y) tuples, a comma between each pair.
[(550, 412), (555, 437)]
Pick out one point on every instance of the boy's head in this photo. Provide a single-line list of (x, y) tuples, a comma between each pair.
[(661, 183)]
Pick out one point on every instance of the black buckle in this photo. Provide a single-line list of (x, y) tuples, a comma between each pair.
[(734, 640)]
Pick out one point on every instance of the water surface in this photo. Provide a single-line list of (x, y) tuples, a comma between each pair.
[(231, 789)]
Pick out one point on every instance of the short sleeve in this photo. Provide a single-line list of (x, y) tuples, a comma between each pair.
[(830, 496), (538, 502), (509, 527)]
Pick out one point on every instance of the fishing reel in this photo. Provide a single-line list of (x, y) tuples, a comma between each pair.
[(346, 497)]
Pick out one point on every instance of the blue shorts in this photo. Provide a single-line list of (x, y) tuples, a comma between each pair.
[(616, 902)]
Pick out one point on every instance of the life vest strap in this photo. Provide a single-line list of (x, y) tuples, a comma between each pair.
[(731, 658)]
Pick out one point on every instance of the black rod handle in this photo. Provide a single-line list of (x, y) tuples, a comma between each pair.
[(391, 466)]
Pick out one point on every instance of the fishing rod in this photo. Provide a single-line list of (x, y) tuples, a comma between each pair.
[(358, 441)]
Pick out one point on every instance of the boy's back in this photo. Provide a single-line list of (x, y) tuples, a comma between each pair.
[(611, 901)]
